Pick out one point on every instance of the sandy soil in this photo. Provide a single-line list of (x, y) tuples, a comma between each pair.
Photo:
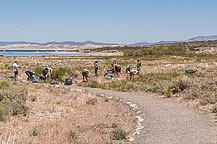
[(55, 113)]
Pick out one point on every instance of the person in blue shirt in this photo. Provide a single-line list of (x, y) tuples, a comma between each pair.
[(30, 74), (96, 66), (139, 64)]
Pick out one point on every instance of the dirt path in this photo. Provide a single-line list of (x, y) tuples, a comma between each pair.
[(167, 122)]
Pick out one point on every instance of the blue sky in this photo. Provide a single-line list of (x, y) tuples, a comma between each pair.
[(118, 21)]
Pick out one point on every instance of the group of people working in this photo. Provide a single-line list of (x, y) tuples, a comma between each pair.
[(115, 68), (46, 73)]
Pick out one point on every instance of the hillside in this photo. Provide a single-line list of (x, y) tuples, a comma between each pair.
[(204, 38)]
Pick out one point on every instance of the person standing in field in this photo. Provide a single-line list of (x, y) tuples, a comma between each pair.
[(139, 64), (128, 68), (96, 66), (15, 69), (117, 67)]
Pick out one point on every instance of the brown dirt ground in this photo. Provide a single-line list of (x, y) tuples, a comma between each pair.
[(56, 112)]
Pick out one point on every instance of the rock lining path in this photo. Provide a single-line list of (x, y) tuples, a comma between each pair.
[(167, 122)]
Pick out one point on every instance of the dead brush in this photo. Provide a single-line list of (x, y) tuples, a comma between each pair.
[(11, 139), (91, 101)]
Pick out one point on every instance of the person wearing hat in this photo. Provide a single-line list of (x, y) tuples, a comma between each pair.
[(96, 66)]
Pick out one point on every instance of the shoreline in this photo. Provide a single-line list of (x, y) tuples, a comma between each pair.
[(62, 53)]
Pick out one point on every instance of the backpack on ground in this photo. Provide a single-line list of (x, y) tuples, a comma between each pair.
[(190, 71), (35, 80), (109, 73), (68, 81)]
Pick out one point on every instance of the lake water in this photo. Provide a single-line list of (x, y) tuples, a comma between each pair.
[(37, 53)]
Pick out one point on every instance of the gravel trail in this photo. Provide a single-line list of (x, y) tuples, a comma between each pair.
[(167, 122)]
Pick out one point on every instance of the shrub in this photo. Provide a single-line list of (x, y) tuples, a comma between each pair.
[(14, 101), (73, 135), (72, 73), (2, 113), (118, 134), (207, 98), (94, 84), (157, 50), (184, 83), (60, 72), (168, 92), (192, 94), (33, 98), (4, 84), (129, 86), (38, 71), (214, 109), (91, 101), (34, 132)]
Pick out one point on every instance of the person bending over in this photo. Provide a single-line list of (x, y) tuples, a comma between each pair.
[(30, 74), (85, 75)]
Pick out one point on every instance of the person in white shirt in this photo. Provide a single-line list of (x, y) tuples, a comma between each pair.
[(15, 69)]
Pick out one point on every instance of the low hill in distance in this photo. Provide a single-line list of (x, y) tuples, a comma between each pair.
[(72, 45), (204, 38)]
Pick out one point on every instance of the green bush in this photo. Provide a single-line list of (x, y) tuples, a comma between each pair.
[(168, 92), (38, 71), (61, 73), (4, 84), (118, 134)]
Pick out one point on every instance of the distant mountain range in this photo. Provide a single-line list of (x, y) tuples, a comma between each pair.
[(199, 38), (204, 38), (57, 43)]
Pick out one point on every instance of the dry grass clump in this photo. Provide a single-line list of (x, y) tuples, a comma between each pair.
[(214, 109), (118, 134)]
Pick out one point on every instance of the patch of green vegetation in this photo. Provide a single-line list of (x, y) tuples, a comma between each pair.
[(4, 84), (157, 50), (61, 73), (38, 71), (2, 113)]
